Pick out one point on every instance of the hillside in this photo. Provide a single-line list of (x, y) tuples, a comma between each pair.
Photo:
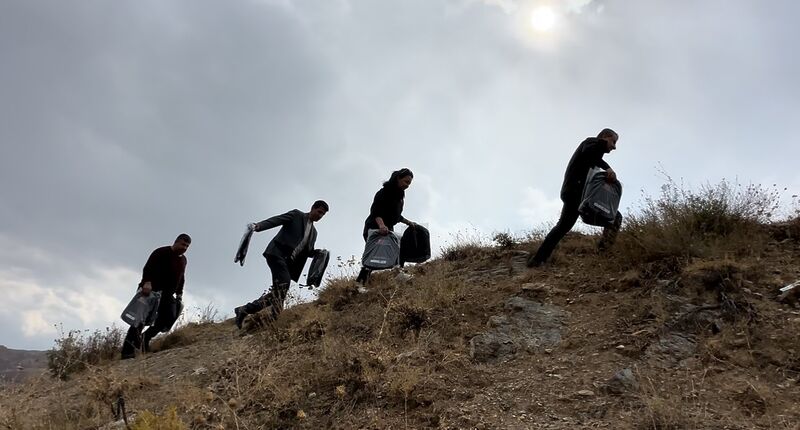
[(476, 340), (16, 365)]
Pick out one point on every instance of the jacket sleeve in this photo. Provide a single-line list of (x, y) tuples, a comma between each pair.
[(182, 280), (594, 153), (378, 205), (150, 268), (275, 221)]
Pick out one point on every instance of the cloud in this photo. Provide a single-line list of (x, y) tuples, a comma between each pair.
[(34, 324), (512, 6), (126, 124), (538, 209)]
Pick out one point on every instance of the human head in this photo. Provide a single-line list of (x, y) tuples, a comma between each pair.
[(318, 210), (400, 178), (611, 137), (182, 243)]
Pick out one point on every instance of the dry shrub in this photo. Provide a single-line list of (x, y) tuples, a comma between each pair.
[(338, 293), (77, 349), (182, 336), (714, 221), (169, 420), (662, 414), (464, 245), (504, 240)]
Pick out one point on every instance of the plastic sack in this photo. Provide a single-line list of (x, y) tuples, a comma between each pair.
[(244, 244), (317, 268), (142, 310)]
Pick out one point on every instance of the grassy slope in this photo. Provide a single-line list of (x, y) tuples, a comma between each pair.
[(398, 355)]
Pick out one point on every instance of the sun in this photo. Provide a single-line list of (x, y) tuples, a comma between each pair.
[(543, 19)]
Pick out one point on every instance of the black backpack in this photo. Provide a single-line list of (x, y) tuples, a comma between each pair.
[(415, 246)]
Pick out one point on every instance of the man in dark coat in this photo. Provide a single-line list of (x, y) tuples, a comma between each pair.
[(164, 273), (589, 154), (286, 256)]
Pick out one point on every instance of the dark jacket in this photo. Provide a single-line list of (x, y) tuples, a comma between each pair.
[(165, 271), (589, 154), (293, 228), (388, 205)]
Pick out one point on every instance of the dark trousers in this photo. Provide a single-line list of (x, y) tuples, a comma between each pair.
[(136, 340), (567, 220), (281, 279), (132, 342)]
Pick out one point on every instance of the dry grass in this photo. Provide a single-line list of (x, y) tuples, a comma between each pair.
[(76, 350), (725, 219)]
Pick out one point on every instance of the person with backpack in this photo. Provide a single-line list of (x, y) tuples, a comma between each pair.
[(164, 274), (387, 210), (588, 154), (286, 256)]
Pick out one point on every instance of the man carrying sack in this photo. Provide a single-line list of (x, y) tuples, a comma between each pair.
[(162, 283)]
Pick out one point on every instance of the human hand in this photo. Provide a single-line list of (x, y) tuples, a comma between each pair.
[(147, 288), (383, 230), (611, 175)]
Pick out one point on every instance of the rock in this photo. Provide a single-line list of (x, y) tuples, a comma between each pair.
[(671, 349), (403, 277), (622, 382), (586, 393), (491, 346), (526, 326), (405, 355), (535, 291)]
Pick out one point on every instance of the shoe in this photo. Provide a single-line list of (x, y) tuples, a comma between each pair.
[(240, 315), (128, 356), (533, 262)]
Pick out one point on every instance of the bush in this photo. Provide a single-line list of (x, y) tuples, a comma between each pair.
[(77, 349), (464, 245), (168, 421), (681, 223), (504, 240)]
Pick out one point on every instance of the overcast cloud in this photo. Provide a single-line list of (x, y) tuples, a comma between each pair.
[(123, 124)]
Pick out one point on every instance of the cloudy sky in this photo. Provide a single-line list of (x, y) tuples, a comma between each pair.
[(123, 124)]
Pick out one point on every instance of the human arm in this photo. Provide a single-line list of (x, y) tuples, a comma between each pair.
[(181, 281), (274, 221), (408, 222), (149, 272)]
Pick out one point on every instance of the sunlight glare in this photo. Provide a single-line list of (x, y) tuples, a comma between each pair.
[(543, 19)]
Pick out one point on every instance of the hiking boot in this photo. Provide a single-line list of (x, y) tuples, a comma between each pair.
[(128, 356), (534, 262), (240, 315)]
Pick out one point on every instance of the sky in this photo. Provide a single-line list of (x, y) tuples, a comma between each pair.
[(125, 123)]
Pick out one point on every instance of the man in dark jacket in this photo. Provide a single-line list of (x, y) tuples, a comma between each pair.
[(163, 272), (286, 256), (589, 154)]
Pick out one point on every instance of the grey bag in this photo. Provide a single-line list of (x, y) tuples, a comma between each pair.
[(600, 201), (381, 252), (142, 310)]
